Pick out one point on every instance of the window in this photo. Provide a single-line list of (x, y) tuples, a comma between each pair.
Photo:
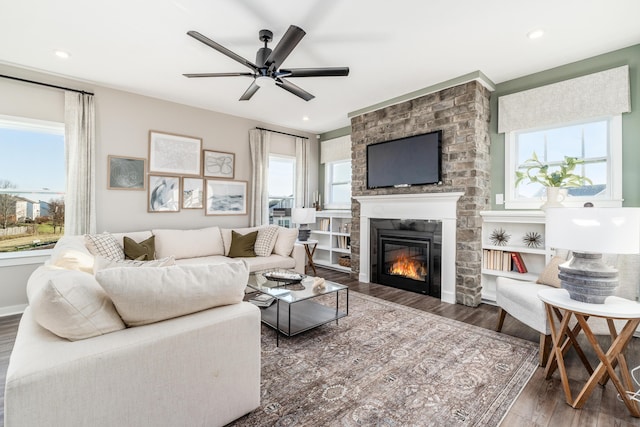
[(598, 143), (282, 177), (338, 184), (32, 183)]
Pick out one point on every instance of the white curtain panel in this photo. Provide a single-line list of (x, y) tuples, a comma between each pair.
[(302, 172), (80, 204), (259, 147)]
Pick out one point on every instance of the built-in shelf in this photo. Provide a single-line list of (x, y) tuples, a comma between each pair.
[(332, 230)]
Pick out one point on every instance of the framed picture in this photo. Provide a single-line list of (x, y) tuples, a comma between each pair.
[(126, 173), (192, 193), (226, 197), (218, 164), (174, 154), (164, 193)]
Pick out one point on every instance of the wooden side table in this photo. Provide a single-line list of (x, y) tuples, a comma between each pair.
[(560, 310), (310, 246)]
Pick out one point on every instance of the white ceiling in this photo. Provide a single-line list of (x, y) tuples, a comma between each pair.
[(391, 47)]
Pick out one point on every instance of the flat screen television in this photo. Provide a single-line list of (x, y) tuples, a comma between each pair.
[(414, 160)]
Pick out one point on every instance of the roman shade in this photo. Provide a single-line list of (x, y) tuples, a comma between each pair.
[(595, 95), (336, 149)]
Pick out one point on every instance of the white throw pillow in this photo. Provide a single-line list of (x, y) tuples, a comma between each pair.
[(286, 239), (148, 295), (71, 304), (188, 243), (71, 253), (266, 240), (102, 263), (104, 245)]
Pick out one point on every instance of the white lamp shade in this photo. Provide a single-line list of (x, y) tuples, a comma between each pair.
[(303, 215), (597, 230)]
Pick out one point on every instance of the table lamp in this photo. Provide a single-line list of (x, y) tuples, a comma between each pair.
[(590, 232), (303, 217)]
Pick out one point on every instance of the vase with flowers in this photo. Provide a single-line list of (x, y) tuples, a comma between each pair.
[(556, 178)]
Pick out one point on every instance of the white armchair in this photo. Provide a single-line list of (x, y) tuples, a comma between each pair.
[(520, 299)]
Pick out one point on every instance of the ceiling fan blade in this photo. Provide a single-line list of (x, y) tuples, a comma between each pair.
[(288, 42), (196, 35), (250, 91), (314, 72), (290, 87), (192, 75)]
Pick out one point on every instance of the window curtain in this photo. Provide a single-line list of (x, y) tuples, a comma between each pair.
[(302, 172), (80, 204), (259, 148)]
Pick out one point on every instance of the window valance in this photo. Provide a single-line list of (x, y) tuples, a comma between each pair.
[(336, 149), (595, 95)]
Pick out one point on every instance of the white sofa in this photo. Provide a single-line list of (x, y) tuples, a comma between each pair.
[(76, 363)]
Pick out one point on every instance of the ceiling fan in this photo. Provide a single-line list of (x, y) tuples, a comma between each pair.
[(266, 70)]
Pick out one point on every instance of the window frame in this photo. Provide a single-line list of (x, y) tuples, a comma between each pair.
[(33, 256), (614, 168), (283, 221), (329, 183)]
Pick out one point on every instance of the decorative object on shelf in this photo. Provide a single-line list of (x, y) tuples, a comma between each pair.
[(588, 233), (556, 180), (174, 154), (317, 201), (499, 237), (532, 239), (164, 194), (226, 197), (218, 164), (344, 261), (126, 173), (303, 217)]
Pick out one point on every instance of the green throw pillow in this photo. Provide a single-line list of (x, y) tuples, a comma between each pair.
[(143, 251), (242, 245)]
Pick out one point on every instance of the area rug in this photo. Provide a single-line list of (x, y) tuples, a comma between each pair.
[(390, 365)]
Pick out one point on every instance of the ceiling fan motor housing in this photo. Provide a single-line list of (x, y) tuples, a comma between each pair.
[(262, 55)]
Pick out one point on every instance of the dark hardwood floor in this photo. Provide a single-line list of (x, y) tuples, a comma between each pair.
[(541, 402)]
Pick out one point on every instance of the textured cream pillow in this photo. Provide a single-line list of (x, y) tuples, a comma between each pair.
[(285, 241), (188, 243), (266, 240), (549, 275), (102, 263), (104, 245), (71, 304), (148, 295)]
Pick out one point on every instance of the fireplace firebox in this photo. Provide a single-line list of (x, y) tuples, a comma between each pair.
[(407, 255)]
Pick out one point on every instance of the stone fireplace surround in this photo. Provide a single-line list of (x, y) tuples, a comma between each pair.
[(428, 206)]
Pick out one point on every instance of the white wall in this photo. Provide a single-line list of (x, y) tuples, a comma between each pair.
[(123, 121)]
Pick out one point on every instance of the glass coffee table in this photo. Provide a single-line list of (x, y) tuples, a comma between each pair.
[(297, 306)]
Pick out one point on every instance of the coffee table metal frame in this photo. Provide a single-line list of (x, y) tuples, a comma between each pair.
[(302, 311)]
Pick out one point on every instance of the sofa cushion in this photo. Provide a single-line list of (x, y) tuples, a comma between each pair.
[(549, 275), (71, 304), (269, 262), (226, 236), (142, 251), (102, 263), (148, 295), (266, 240), (242, 245), (188, 243), (71, 253), (104, 245), (285, 241)]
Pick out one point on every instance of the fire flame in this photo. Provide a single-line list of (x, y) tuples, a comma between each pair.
[(407, 267)]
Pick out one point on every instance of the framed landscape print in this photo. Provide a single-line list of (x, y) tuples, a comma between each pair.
[(174, 154), (218, 164), (164, 194), (226, 197), (126, 173), (192, 193)]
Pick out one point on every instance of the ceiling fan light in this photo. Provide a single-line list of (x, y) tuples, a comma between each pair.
[(263, 81)]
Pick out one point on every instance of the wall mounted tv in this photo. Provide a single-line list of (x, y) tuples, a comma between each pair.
[(414, 160)]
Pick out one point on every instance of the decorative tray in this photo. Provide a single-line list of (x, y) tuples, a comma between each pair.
[(283, 276)]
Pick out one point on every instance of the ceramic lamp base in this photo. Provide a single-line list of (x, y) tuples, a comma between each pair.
[(587, 278), (303, 234)]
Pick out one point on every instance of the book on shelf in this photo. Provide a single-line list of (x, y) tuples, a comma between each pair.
[(495, 259), (344, 242), (520, 266), (323, 224)]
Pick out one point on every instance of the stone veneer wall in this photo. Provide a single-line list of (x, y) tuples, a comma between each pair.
[(462, 113)]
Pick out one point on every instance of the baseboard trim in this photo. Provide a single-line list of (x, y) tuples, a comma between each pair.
[(12, 310)]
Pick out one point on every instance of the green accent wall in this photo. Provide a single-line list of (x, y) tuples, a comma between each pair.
[(630, 121)]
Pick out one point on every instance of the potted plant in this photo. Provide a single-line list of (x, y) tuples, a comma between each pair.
[(554, 180)]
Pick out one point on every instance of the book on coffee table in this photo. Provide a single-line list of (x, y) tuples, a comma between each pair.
[(262, 300)]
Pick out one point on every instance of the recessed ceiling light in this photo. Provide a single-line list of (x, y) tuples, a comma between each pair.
[(535, 34), (305, 118), (62, 54)]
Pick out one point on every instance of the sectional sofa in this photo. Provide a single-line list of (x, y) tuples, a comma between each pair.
[(166, 342)]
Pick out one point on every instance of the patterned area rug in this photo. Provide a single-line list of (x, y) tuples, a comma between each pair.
[(390, 365)]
